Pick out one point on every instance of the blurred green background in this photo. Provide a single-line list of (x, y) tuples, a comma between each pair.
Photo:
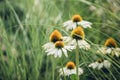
[(25, 26)]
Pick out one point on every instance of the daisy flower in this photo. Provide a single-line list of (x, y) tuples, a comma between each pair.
[(99, 64), (77, 38), (76, 21), (55, 36), (110, 48), (59, 48), (56, 46), (70, 69)]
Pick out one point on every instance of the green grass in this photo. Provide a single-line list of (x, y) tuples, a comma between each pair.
[(25, 26)]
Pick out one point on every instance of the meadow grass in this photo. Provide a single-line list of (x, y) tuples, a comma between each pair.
[(25, 26)]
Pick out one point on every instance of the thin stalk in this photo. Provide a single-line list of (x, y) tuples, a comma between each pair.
[(77, 61), (63, 71), (46, 76), (53, 68)]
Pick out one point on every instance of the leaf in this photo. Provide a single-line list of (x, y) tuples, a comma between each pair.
[(73, 77)]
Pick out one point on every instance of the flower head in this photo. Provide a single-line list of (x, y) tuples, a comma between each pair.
[(55, 36), (59, 44), (70, 69), (99, 64), (110, 48), (76, 18), (76, 21), (111, 43), (58, 49), (78, 33), (77, 38), (70, 65)]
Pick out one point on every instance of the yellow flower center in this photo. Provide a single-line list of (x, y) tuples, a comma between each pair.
[(100, 60), (70, 65), (59, 44), (77, 18), (78, 33), (110, 42), (55, 36)]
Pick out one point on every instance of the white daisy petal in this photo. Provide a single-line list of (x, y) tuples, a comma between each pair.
[(65, 24), (68, 28), (100, 66), (80, 70), (59, 53), (73, 26), (55, 53), (68, 72), (64, 71), (69, 48), (69, 25), (85, 24), (50, 52), (48, 45), (67, 39), (102, 50), (83, 44), (117, 54), (73, 43), (65, 52), (61, 71), (109, 50), (106, 64), (93, 65), (73, 71)]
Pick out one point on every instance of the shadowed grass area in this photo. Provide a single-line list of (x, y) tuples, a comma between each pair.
[(25, 26)]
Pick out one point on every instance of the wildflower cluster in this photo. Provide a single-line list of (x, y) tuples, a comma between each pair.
[(57, 46), (76, 41)]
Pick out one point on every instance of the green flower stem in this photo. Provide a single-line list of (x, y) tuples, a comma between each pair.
[(63, 71), (77, 61), (53, 68)]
